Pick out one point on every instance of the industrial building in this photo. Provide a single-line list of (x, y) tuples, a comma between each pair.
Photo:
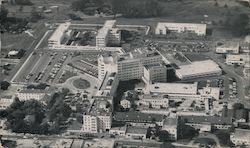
[(163, 28), (197, 69)]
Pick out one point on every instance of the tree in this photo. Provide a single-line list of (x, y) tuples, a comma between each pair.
[(137, 8), (186, 131), (21, 8), (35, 16), (224, 137), (23, 2), (3, 113), (239, 26), (238, 106), (5, 85), (163, 135), (216, 4), (3, 15)]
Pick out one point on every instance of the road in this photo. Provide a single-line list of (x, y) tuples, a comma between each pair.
[(30, 59), (29, 47), (230, 72)]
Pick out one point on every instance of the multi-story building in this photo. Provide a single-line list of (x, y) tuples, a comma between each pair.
[(59, 34), (171, 126), (106, 64), (236, 59), (215, 121), (240, 137), (164, 28), (171, 88), (131, 65), (98, 119), (5, 102), (153, 101), (108, 35), (28, 94), (155, 73)]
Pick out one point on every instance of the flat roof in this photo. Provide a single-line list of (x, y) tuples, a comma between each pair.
[(157, 65), (137, 130), (152, 96), (198, 67), (238, 57), (109, 24), (58, 33), (171, 121), (162, 24), (33, 91), (135, 55), (172, 88), (101, 106), (242, 133), (229, 44)]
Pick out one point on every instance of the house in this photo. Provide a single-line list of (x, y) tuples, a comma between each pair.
[(121, 131), (5, 102), (28, 94), (215, 121), (136, 132), (236, 59), (171, 125), (129, 131), (228, 47)]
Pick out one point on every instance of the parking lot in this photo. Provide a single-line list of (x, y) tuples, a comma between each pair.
[(43, 67), (53, 66), (184, 46)]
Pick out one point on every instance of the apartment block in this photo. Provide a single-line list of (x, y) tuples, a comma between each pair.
[(98, 119)]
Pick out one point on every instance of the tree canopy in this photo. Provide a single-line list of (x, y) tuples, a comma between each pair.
[(5, 85), (163, 135), (35, 117), (137, 8)]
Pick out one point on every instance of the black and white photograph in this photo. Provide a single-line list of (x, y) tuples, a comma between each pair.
[(124, 73)]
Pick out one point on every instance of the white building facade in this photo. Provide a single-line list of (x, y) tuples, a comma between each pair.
[(162, 28), (131, 66)]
